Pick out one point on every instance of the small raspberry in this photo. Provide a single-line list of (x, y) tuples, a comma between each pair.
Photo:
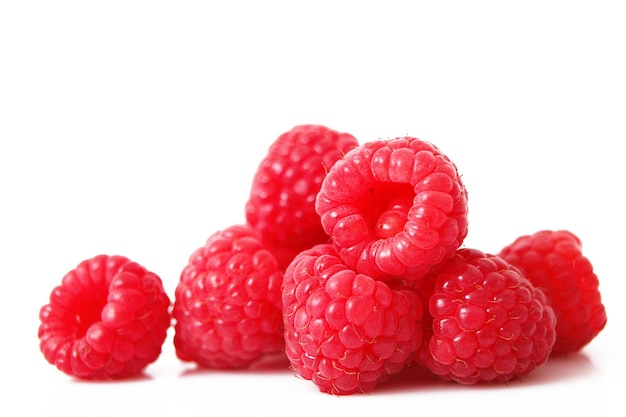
[(553, 261), (489, 323), (107, 320), (394, 207), (281, 206), (345, 331), (228, 307)]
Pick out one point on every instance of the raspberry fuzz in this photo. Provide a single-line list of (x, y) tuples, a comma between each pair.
[(107, 320), (489, 323), (345, 331), (281, 205), (394, 207), (553, 261), (228, 302)]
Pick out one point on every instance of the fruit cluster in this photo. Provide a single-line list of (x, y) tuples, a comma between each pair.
[(351, 263)]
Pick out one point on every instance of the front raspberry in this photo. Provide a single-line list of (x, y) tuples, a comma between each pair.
[(489, 323), (394, 207), (553, 261), (228, 302), (281, 206), (345, 331), (107, 320)]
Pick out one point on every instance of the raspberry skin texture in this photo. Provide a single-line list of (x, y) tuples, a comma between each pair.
[(394, 207), (227, 308), (281, 205), (107, 320), (553, 261), (346, 332), (488, 322)]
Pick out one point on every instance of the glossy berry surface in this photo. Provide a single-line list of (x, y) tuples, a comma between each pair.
[(281, 205), (107, 320), (489, 323), (345, 331), (553, 261), (228, 308), (394, 207)]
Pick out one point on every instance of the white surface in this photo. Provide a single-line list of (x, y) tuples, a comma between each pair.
[(135, 128)]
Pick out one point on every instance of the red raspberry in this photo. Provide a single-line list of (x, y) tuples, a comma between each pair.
[(553, 261), (107, 320), (228, 307), (345, 331), (394, 207), (489, 323), (281, 206)]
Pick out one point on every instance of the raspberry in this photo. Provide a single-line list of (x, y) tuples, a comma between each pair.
[(228, 307), (553, 261), (281, 205), (489, 323), (344, 331), (107, 320), (394, 207)]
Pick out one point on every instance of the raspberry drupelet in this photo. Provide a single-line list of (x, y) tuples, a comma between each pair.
[(394, 207), (344, 331), (281, 205), (227, 306), (107, 320), (487, 321), (553, 261)]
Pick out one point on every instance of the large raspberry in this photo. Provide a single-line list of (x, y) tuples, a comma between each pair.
[(228, 307), (553, 261), (489, 323), (107, 320), (281, 206), (345, 331), (394, 207)]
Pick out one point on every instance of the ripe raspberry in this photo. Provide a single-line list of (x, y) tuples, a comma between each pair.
[(107, 320), (553, 261), (281, 206), (489, 323), (345, 331), (228, 307), (394, 207)]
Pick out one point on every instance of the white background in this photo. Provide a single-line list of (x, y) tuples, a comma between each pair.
[(135, 128)]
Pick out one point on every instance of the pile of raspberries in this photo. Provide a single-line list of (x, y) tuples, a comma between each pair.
[(351, 264)]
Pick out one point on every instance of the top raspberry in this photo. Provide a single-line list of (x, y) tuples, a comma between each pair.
[(394, 207), (281, 206), (553, 261)]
